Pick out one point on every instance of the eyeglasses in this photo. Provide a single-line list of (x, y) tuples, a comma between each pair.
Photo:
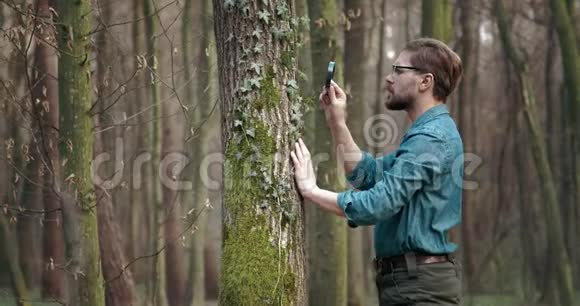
[(397, 68)]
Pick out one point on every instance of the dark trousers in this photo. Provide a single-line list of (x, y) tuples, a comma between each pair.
[(420, 285)]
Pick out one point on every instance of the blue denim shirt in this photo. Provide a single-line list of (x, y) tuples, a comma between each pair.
[(413, 195)]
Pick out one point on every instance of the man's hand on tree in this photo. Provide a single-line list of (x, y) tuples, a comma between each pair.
[(303, 169)]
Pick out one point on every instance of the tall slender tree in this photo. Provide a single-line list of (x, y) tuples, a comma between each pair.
[(469, 23), (436, 19), (17, 279), (156, 288), (356, 62), (53, 285), (569, 51), (137, 199), (28, 227), (76, 145), (562, 275), (119, 283), (328, 252), (205, 77), (172, 142), (263, 255)]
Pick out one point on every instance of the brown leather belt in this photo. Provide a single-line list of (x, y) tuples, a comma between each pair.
[(388, 264)]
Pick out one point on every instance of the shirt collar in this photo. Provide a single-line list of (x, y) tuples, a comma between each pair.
[(431, 113)]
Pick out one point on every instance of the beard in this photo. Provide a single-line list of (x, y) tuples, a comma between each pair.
[(398, 102)]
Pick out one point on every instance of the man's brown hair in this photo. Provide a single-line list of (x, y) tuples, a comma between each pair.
[(433, 56)]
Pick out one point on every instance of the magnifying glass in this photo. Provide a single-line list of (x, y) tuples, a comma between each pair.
[(330, 73)]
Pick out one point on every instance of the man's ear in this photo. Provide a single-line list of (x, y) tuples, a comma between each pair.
[(427, 81)]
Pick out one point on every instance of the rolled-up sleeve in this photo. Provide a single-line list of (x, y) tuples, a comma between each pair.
[(368, 171), (420, 159)]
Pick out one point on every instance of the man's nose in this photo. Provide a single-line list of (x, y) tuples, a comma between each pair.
[(389, 79)]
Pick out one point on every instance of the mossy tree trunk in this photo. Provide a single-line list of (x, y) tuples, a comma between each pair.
[(156, 284), (328, 244), (356, 63), (563, 271), (436, 19), (563, 17), (263, 255), (76, 145)]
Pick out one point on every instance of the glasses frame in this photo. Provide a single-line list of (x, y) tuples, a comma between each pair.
[(396, 67)]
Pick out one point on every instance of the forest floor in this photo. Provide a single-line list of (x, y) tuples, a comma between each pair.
[(7, 299)]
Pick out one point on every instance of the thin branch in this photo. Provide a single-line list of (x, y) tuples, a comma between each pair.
[(156, 253), (132, 21)]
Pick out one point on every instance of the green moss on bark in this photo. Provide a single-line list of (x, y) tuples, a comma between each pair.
[(255, 263), (269, 96), (287, 59)]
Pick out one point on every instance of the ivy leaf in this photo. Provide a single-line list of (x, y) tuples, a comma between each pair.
[(255, 82), (251, 132), (264, 16), (238, 155), (253, 174), (281, 9), (246, 87), (292, 84), (256, 67), (278, 33), (257, 33), (295, 22), (253, 157), (289, 215), (237, 123), (237, 139), (258, 48), (229, 4)]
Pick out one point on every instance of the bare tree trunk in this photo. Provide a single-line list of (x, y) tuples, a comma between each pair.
[(16, 275), (569, 39), (27, 228), (263, 255), (525, 207), (328, 271), (137, 198), (174, 257), (466, 101), (562, 273), (206, 77), (356, 70), (119, 284), (46, 116), (157, 292)]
